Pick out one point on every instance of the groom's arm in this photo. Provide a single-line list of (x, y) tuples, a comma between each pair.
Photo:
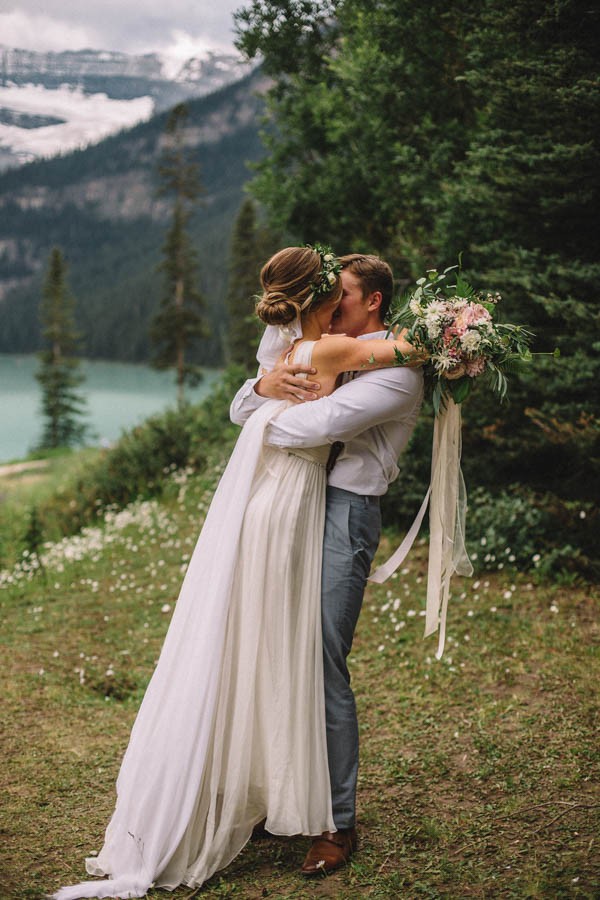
[(369, 400), (282, 383), (245, 402)]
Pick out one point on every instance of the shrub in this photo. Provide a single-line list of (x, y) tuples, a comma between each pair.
[(515, 526), (524, 530)]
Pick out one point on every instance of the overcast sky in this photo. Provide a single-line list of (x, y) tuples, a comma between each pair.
[(181, 28)]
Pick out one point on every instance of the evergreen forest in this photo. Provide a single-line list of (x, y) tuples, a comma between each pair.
[(421, 132)]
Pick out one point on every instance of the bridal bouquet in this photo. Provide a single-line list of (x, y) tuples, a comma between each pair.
[(454, 325)]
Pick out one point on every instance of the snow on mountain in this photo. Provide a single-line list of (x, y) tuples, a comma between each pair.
[(54, 102)]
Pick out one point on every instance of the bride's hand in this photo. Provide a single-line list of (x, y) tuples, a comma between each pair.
[(283, 383)]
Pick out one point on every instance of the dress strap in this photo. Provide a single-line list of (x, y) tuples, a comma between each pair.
[(302, 354)]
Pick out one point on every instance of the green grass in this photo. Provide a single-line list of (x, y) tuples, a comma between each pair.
[(18, 492), (479, 773)]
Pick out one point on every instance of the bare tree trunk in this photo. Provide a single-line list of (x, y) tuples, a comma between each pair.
[(180, 355)]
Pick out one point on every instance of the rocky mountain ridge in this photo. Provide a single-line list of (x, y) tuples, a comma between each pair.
[(196, 76)]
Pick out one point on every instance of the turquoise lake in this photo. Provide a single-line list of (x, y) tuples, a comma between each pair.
[(118, 396)]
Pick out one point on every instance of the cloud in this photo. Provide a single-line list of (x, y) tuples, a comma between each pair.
[(139, 27), (86, 118), (33, 31)]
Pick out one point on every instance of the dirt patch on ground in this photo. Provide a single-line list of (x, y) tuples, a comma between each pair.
[(11, 470)]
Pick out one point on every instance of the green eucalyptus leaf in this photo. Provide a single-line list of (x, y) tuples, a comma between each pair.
[(460, 388)]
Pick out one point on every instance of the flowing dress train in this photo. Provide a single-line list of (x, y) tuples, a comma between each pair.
[(232, 727)]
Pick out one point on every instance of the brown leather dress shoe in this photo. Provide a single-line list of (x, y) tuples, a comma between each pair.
[(329, 851)]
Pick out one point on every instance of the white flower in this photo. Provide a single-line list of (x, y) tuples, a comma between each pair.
[(415, 307), (443, 361), (328, 257), (470, 341), (434, 326), (331, 277), (437, 308)]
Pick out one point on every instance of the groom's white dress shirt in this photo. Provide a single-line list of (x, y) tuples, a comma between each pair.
[(374, 415)]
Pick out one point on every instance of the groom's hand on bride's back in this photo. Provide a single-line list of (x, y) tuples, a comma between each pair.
[(283, 383)]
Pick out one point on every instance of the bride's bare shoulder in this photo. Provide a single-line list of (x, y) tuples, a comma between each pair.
[(332, 348)]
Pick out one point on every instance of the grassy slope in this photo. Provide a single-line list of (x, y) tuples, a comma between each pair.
[(479, 774), (20, 491)]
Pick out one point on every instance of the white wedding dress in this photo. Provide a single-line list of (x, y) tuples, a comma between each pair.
[(232, 727)]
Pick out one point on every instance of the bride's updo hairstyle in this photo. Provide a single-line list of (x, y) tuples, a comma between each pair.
[(297, 280)]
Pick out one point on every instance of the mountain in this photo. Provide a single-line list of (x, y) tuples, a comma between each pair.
[(100, 206), (52, 102)]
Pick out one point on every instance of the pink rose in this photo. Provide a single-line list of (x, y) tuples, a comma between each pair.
[(472, 314)]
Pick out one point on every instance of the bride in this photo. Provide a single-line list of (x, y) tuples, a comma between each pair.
[(231, 729)]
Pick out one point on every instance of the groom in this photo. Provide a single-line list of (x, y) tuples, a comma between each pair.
[(373, 415)]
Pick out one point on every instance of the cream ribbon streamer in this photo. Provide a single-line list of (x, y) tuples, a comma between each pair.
[(447, 498)]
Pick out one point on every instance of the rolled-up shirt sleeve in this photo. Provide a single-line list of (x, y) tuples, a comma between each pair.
[(369, 400), (245, 402)]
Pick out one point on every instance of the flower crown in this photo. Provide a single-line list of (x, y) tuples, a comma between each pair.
[(330, 269)]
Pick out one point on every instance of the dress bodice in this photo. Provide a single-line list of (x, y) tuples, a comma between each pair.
[(303, 357)]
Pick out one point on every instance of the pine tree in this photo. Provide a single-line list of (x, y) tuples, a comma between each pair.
[(179, 321), (421, 130), (249, 250), (59, 374), (370, 114), (523, 206)]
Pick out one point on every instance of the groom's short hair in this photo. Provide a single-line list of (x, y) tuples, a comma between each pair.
[(374, 275)]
